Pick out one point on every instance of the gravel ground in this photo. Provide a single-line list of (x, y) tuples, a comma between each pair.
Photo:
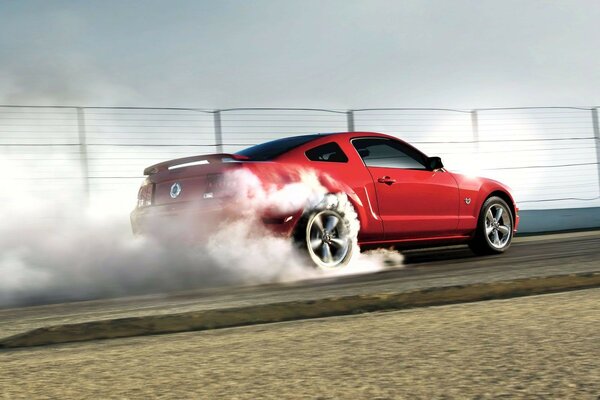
[(535, 347)]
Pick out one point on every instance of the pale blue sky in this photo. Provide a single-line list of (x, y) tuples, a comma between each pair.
[(337, 53)]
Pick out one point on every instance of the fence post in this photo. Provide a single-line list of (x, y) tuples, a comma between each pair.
[(218, 131), (597, 137), (475, 128), (350, 120), (83, 153)]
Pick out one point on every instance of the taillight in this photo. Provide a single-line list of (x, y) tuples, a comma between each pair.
[(145, 194)]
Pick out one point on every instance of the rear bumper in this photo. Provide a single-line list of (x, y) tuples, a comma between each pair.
[(194, 221), (159, 219)]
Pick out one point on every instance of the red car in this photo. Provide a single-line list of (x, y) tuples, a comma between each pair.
[(400, 196)]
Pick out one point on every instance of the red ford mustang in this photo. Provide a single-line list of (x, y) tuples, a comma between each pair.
[(400, 196)]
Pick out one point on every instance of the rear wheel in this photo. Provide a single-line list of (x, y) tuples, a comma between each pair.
[(326, 236), (494, 227)]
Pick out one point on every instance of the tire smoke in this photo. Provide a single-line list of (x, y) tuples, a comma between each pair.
[(55, 251)]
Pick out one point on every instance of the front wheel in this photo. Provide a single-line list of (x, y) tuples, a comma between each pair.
[(494, 228), (326, 236)]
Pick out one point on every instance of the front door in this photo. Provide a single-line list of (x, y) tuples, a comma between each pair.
[(413, 200)]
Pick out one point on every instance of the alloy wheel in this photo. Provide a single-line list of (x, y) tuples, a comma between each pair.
[(498, 226), (328, 239)]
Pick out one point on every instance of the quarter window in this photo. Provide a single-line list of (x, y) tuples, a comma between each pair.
[(376, 152), (329, 152)]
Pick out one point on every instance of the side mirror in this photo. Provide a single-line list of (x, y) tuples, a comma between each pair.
[(435, 163)]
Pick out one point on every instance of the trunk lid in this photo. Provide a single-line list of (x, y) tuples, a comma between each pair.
[(191, 179)]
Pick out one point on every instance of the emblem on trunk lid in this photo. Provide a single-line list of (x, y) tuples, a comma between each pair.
[(175, 190)]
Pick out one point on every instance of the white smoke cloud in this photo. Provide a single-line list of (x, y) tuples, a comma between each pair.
[(54, 250)]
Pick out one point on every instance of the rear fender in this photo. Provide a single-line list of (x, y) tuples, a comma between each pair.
[(320, 184), (334, 186)]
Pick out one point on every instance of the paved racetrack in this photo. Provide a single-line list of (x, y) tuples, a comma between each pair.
[(528, 257)]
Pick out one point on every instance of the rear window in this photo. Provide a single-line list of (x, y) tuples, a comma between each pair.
[(329, 152), (270, 150)]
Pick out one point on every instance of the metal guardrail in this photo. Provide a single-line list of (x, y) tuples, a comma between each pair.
[(549, 155)]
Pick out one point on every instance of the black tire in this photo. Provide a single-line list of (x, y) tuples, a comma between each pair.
[(494, 232), (325, 234)]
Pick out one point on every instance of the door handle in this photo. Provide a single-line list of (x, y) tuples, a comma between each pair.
[(387, 180)]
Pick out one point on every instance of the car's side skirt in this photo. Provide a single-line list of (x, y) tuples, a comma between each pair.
[(417, 242)]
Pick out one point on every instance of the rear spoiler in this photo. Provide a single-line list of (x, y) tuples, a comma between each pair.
[(194, 160)]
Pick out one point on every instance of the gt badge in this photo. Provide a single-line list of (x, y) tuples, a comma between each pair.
[(175, 190), (467, 200)]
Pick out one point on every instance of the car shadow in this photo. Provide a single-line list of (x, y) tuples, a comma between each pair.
[(419, 256)]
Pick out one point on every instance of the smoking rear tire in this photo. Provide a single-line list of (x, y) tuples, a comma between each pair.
[(494, 228), (325, 236)]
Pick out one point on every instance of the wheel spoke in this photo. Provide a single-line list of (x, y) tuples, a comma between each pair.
[(499, 214), (505, 230), (488, 229), (326, 253), (318, 221), (315, 243), (496, 238), (489, 216), (331, 222), (339, 243)]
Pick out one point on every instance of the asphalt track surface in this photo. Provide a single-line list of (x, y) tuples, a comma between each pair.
[(534, 256)]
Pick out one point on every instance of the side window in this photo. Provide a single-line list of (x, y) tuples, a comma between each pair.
[(329, 152), (388, 153)]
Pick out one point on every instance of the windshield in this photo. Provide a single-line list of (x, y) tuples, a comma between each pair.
[(270, 150)]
